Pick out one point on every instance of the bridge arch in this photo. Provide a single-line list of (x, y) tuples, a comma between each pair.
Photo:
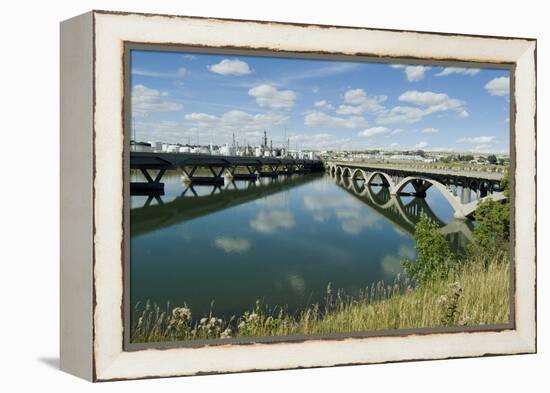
[(359, 171), (453, 201), (346, 172), (384, 176)]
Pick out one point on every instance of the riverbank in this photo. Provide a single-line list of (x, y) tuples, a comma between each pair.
[(477, 294)]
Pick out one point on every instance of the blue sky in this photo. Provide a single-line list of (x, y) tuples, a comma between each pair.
[(318, 104)]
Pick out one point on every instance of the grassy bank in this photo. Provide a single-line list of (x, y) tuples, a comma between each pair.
[(475, 294)]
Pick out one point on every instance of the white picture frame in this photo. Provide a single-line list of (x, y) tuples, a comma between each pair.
[(93, 197)]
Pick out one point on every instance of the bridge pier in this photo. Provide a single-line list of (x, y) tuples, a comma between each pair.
[(215, 179), (251, 175), (151, 186), (420, 188), (465, 195), (270, 173)]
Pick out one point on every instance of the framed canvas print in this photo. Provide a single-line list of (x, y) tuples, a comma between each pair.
[(246, 195)]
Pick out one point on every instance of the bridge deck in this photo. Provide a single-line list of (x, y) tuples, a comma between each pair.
[(148, 160), (491, 176), (189, 162)]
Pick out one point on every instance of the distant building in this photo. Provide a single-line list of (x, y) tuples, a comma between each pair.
[(140, 146), (155, 146), (200, 150), (226, 150), (172, 148)]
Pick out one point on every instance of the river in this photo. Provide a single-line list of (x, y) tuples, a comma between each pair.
[(282, 241)]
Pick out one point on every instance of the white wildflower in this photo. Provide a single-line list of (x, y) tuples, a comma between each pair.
[(226, 333)]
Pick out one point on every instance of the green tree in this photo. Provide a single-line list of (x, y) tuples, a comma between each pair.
[(505, 185), (492, 232), (493, 229), (492, 159), (434, 258)]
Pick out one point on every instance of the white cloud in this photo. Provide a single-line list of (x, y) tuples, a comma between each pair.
[(322, 120), (155, 74), (479, 139), (296, 283), (357, 102), (427, 103), (401, 114), (146, 100), (458, 70), (230, 67), (414, 73), (234, 121), (499, 86), (158, 130), (373, 131), (232, 244), (320, 72), (272, 221), (391, 265), (398, 131), (430, 130), (421, 145), (394, 145), (323, 202), (323, 104), (354, 223), (269, 96), (425, 98), (321, 141)]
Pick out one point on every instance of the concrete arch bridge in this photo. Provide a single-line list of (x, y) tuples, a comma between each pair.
[(457, 188)]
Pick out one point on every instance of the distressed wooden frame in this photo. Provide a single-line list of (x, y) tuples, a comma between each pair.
[(93, 194)]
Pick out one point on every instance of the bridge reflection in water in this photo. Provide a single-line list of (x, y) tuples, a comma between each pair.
[(404, 210), (201, 200)]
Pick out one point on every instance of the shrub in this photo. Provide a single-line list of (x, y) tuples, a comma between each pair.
[(493, 229), (434, 260)]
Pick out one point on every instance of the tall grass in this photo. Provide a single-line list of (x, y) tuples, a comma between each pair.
[(475, 294)]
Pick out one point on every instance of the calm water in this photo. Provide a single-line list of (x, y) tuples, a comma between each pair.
[(282, 241)]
